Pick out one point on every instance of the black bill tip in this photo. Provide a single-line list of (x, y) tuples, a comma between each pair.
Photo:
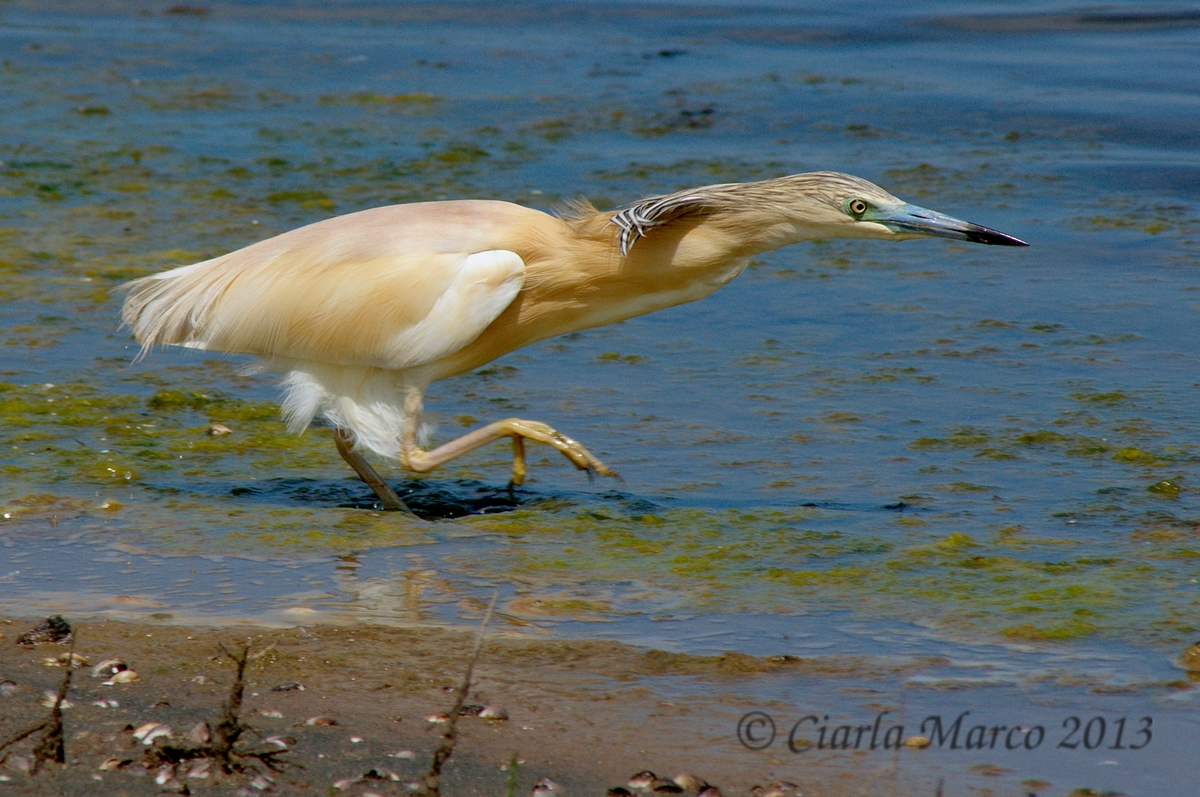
[(983, 235)]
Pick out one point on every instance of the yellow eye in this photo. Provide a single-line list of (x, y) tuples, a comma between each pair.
[(857, 207)]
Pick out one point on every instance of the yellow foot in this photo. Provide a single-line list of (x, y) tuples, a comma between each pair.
[(579, 456), (518, 430)]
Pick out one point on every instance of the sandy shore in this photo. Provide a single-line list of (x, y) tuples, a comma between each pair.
[(587, 714)]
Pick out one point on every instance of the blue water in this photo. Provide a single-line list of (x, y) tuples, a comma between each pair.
[(850, 376)]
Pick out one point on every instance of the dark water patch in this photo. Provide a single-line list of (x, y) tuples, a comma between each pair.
[(1074, 22), (430, 499), (434, 498)]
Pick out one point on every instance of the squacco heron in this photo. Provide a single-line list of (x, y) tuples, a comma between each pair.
[(364, 311)]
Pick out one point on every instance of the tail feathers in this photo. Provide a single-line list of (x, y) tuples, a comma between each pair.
[(173, 308), (367, 401)]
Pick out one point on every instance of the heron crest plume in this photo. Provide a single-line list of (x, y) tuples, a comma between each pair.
[(764, 199)]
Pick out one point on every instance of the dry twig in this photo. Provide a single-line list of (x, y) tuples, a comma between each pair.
[(431, 781), (50, 747), (226, 734)]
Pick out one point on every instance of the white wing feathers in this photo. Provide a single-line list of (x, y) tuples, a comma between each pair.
[(483, 285)]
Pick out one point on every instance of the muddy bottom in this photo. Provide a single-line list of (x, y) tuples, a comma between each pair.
[(586, 714)]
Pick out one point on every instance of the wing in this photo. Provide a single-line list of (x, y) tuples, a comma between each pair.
[(392, 288)]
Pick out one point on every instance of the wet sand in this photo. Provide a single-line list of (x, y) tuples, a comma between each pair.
[(587, 714)]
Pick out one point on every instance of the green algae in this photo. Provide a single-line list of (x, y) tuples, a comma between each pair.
[(126, 436), (409, 101), (1165, 488), (615, 357)]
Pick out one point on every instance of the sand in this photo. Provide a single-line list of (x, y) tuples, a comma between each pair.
[(586, 714)]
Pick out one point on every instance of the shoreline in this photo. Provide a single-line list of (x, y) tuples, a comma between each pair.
[(587, 714)]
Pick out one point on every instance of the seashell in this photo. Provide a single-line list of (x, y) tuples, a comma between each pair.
[(108, 667), (110, 764), (156, 732), (405, 754), (199, 768), (122, 677), (320, 721), (290, 687), (105, 703), (917, 742), (438, 717), (345, 783), (782, 788), (270, 712), (356, 740), (261, 782), (278, 741), (165, 772), (50, 697), (688, 782), (544, 787), (199, 679), (642, 780), (200, 733), (375, 773), (493, 713), (143, 729), (218, 429), (74, 659)]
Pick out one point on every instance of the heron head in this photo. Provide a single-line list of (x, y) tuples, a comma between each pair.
[(845, 206)]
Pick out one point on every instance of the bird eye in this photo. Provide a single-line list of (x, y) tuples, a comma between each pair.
[(857, 207)]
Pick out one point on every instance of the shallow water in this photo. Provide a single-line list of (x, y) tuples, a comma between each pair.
[(916, 449)]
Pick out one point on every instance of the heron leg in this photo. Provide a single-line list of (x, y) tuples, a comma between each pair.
[(345, 446), (420, 461)]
